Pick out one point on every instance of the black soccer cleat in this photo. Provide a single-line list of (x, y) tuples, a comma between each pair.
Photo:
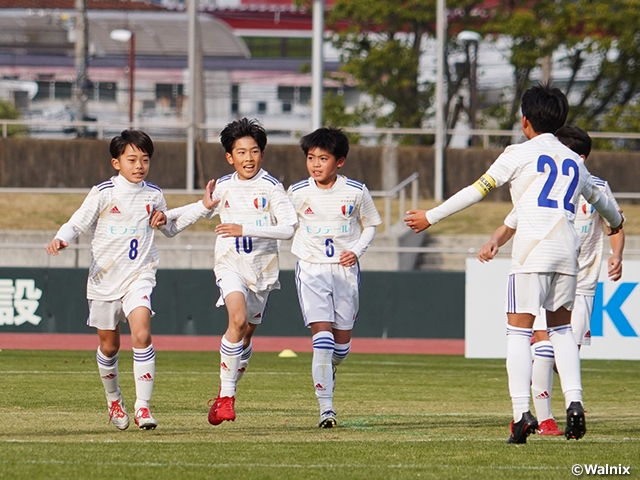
[(522, 429), (576, 425)]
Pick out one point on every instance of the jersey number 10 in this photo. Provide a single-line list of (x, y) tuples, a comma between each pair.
[(247, 245)]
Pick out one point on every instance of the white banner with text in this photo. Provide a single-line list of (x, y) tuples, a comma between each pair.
[(615, 322)]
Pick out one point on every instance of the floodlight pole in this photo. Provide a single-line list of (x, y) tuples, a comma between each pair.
[(132, 66), (441, 22), (191, 125), (317, 64)]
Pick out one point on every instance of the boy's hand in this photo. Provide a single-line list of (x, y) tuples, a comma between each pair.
[(417, 220), (615, 268), (226, 230), (488, 251), (208, 200), (348, 259), (157, 219), (55, 245)]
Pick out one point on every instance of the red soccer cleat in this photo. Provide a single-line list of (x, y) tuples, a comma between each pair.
[(225, 409), (549, 428)]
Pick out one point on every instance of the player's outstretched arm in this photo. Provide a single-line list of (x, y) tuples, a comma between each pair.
[(55, 245)]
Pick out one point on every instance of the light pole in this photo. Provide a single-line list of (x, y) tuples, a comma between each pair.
[(471, 40), (123, 35)]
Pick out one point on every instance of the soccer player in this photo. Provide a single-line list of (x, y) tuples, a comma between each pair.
[(590, 227), (337, 221), (123, 268), (546, 180), (255, 214)]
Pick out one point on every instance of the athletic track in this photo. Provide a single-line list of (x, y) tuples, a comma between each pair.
[(200, 343)]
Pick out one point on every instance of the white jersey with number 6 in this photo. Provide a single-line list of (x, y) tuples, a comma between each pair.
[(330, 220)]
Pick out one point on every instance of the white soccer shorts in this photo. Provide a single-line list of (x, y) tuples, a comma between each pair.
[(256, 302), (328, 292), (529, 292), (580, 319), (107, 315)]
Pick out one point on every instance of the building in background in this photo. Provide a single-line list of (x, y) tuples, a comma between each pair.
[(256, 62)]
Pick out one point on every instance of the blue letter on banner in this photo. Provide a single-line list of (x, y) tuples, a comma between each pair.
[(613, 308)]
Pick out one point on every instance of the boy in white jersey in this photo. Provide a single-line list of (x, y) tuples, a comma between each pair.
[(590, 227), (337, 221), (255, 214), (546, 179), (123, 268)]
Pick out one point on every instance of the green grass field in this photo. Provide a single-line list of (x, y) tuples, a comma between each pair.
[(400, 416)]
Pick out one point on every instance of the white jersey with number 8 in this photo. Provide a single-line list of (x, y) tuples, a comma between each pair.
[(122, 248)]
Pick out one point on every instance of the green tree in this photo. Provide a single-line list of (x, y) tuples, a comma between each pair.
[(596, 41), (9, 112), (381, 45)]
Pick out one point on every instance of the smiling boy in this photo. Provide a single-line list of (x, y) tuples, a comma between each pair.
[(337, 221), (122, 274), (255, 214)]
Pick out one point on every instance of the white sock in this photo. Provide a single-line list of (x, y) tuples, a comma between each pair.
[(542, 379), (144, 372), (244, 362), (108, 369), (519, 368), (230, 354), (321, 369), (340, 352), (567, 362)]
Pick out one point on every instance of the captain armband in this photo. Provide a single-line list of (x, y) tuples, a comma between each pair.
[(485, 184)]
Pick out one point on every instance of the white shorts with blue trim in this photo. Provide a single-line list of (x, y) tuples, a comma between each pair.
[(107, 315), (328, 292), (529, 292), (256, 302)]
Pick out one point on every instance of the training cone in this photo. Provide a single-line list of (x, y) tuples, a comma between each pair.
[(287, 353)]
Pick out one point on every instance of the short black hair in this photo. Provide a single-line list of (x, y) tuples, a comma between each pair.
[(243, 128), (137, 138), (545, 107), (576, 139), (331, 139)]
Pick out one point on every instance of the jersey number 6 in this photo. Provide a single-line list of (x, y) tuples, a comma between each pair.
[(569, 166)]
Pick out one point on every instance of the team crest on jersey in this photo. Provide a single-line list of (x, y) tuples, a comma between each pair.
[(588, 209), (148, 207), (260, 203), (347, 209)]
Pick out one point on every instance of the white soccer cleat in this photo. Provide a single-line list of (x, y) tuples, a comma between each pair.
[(118, 414), (144, 420)]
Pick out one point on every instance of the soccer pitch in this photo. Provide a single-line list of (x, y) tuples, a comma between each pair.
[(399, 416)]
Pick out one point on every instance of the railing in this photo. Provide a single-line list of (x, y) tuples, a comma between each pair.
[(287, 134), (399, 190)]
